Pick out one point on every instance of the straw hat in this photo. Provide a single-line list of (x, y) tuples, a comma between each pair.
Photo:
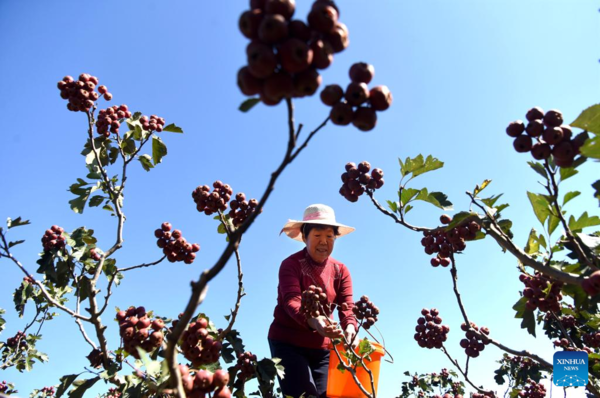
[(314, 214)]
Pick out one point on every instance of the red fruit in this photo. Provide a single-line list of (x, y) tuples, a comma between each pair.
[(121, 316), (339, 38), (158, 324), (563, 151), (166, 226), (273, 29), (377, 174), (248, 84), (567, 162), (285, 8), (553, 118), (535, 128), (364, 167), (249, 23), (332, 94), (361, 72), (364, 119), (220, 378), (380, 98), (534, 114), (341, 114), (515, 128), (541, 151), (202, 323), (108, 96), (522, 143), (553, 135), (204, 380), (195, 247), (435, 262), (322, 18), (322, 54), (445, 219), (261, 60), (295, 55), (222, 393), (299, 30), (589, 288), (278, 86), (356, 93), (350, 165), (307, 82), (257, 4), (143, 323)]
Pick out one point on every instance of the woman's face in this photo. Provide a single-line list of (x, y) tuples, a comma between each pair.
[(319, 243)]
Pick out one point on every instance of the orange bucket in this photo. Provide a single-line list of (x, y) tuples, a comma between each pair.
[(342, 385)]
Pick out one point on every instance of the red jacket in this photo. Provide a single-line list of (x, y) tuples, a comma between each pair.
[(296, 274)]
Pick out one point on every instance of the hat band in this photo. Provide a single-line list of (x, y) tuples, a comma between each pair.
[(314, 216)]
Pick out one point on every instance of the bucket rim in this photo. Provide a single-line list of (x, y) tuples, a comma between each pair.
[(378, 347)]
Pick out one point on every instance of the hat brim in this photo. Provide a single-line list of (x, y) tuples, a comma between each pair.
[(293, 228)]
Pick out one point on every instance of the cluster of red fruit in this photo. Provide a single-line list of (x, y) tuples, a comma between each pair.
[(4, 386), (535, 292), (473, 344), (198, 345), (18, 341), (592, 339), (313, 300), (430, 332), (95, 358), (241, 208), (591, 285), (109, 119), (533, 390), (47, 392), (205, 382), (155, 123), (445, 242), (356, 180), (211, 202), (81, 93), (564, 343), (359, 105), (137, 330), (113, 393), (480, 395), (53, 238), (365, 311), (552, 136), (174, 246), (95, 255), (284, 55), (246, 362)]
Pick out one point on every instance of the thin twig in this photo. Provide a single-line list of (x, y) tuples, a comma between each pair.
[(455, 363), (392, 215)]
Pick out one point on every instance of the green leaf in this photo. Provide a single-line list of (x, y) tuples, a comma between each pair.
[(146, 162), (171, 128), (365, 347), (2, 321), (248, 104), (81, 386), (540, 205), (221, 228), (591, 148), (501, 207), (159, 150), (589, 119), (407, 208), (438, 199), (17, 242), (539, 168), (506, 225), (577, 293), (407, 194), (478, 188), (567, 172), (583, 222), (128, 146), (532, 246), (459, 218), (96, 201), (17, 222), (491, 201), (393, 206), (528, 319), (65, 383), (570, 195), (418, 166), (553, 222)]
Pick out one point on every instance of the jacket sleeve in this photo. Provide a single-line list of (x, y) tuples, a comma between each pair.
[(344, 295), (291, 291)]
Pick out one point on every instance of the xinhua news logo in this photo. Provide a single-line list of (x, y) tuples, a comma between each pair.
[(570, 368)]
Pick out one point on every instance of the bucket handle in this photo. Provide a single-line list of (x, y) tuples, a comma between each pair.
[(382, 344)]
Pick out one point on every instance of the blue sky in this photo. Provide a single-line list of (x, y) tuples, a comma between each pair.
[(459, 72)]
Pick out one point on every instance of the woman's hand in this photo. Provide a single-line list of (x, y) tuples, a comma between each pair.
[(350, 334), (325, 327)]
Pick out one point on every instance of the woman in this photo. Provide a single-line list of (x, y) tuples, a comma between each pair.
[(301, 343)]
